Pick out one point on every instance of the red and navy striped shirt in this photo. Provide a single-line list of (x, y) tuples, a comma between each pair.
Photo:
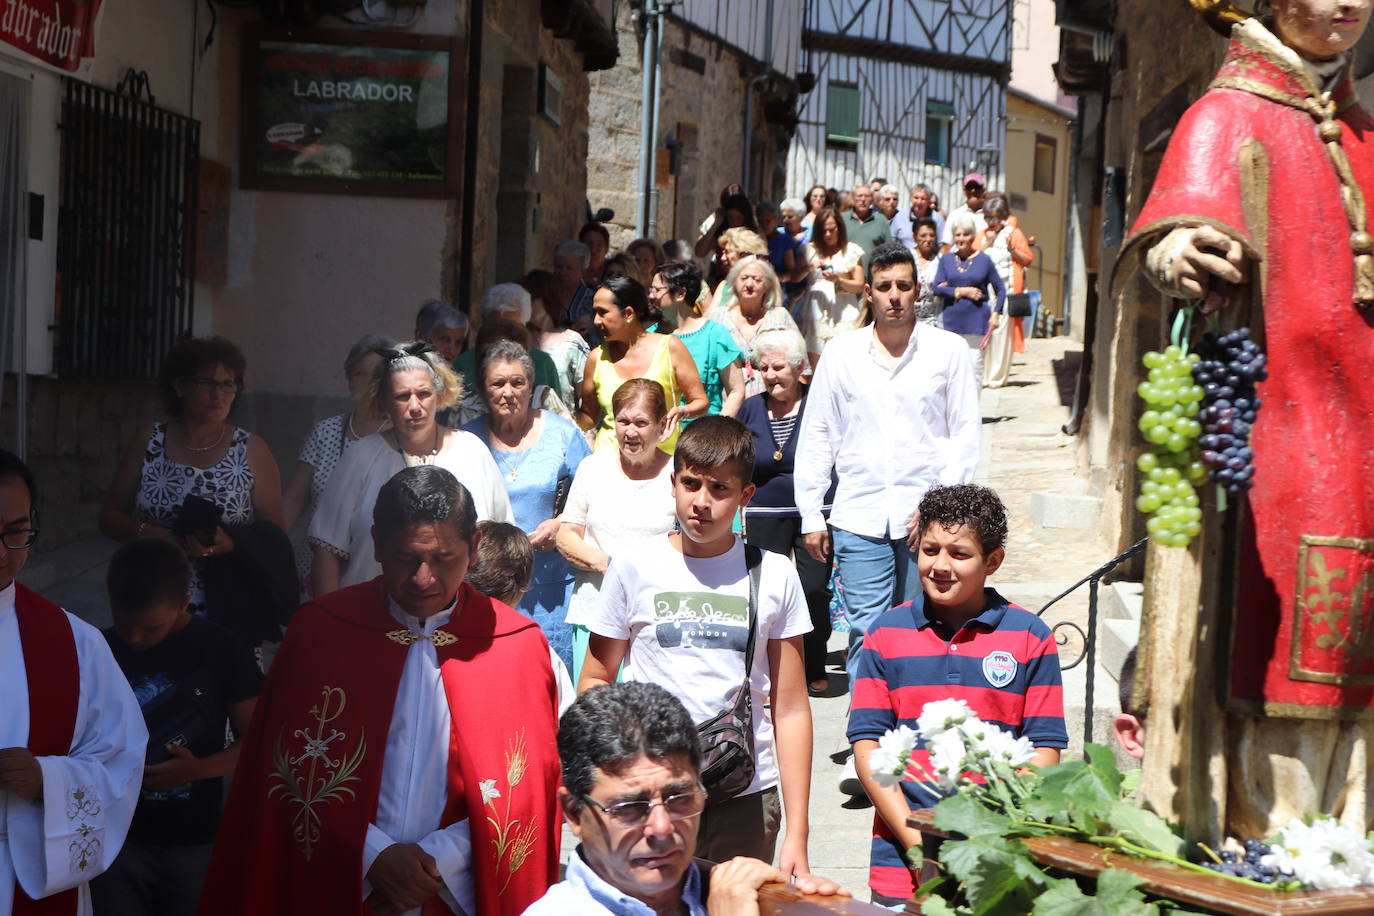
[(1003, 663)]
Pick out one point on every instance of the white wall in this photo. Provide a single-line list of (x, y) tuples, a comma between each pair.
[(1034, 49)]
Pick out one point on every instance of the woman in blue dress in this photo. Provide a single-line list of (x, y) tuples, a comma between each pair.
[(537, 453)]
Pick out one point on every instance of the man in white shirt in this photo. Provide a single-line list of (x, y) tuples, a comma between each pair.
[(893, 410), (403, 752), (72, 738), (975, 192)]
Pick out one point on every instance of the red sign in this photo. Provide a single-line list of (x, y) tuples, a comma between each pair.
[(60, 32)]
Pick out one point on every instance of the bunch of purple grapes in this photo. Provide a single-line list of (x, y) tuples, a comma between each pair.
[(1229, 367), (1249, 865)]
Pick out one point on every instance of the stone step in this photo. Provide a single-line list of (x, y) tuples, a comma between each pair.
[(1122, 601), (1057, 509), (1116, 639)]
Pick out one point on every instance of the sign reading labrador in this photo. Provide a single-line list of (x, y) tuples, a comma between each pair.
[(351, 112)]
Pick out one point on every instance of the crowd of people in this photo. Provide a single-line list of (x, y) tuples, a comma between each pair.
[(628, 491)]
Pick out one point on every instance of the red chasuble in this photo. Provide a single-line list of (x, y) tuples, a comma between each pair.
[(54, 681), (308, 778), (1246, 160)]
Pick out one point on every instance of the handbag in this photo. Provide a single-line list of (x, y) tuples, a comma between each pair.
[(1018, 305), (727, 738)]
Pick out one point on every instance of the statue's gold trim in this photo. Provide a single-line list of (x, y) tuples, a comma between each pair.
[(1220, 14)]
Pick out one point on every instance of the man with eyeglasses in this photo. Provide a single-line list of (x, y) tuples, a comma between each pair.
[(632, 794), (71, 735)]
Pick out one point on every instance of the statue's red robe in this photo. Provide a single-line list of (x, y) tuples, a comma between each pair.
[(1247, 161), (307, 781)]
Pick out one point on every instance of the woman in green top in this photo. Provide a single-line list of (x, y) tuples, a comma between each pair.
[(719, 361)]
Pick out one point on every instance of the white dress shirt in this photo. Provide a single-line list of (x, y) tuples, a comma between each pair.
[(414, 788), (89, 795), (890, 430)]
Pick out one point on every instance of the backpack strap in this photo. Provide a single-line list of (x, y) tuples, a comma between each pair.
[(753, 562)]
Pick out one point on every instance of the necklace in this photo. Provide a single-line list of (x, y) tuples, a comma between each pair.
[(223, 428), (962, 265), (773, 425), (512, 470), (352, 434), (412, 460)]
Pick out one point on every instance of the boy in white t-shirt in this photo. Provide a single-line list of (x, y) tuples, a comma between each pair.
[(676, 612)]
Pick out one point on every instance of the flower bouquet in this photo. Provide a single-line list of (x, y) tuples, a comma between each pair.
[(1014, 830)]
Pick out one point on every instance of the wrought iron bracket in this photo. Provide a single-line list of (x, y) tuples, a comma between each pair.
[(135, 85)]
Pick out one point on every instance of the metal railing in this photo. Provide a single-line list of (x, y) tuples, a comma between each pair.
[(1089, 653)]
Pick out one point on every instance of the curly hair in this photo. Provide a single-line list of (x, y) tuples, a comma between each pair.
[(977, 508)]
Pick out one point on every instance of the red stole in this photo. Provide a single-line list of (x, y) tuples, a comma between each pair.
[(54, 680), (310, 770), (1245, 160)]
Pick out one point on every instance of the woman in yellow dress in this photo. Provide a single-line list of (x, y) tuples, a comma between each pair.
[(620, 311)]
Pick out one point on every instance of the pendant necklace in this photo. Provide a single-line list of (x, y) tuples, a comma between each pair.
[(778, 446), (962, 265), (512, 471)]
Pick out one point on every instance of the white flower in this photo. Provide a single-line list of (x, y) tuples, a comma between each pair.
[(889, 760), (942, 715), (947, 753), (1001, 747), (489, 790), (1323, 855)]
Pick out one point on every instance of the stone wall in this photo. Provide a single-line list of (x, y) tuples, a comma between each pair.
[(701, 105)]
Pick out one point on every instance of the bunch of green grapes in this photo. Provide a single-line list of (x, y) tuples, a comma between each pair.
[(1173, 466)]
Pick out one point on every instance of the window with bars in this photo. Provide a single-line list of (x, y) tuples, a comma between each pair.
[(939, 124), (125, 232), (842, 114)]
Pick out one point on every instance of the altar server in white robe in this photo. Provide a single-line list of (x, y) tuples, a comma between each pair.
[(72, 739)]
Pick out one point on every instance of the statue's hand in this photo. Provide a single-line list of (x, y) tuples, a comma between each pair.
[(1197, 262)]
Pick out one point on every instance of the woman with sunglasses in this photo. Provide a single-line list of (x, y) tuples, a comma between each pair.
[(176, 473)]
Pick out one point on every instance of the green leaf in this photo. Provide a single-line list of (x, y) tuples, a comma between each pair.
[(966, 815), (1130, 783), (998, 874), (1144, 828), (934, 906), (1115, 895), (1103, 763)]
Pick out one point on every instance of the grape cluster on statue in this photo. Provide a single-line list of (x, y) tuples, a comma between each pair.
[(1223, 224)]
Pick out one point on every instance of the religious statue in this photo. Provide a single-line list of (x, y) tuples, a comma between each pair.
[(1261, 209)]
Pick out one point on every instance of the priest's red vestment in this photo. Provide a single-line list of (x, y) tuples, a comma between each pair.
[(307, 782)]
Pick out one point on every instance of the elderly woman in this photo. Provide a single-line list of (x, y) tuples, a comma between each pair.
[(754, 306), (835, 303), (195, 478), (410, 387), (619, 499), (735, 244), (1006, 244), (968, 279), (538, 453), (328, 441), (772, 520), (622, 313), (927, 236)]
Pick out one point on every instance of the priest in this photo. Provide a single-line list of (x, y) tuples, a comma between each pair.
[(402, 758), (71, 735)]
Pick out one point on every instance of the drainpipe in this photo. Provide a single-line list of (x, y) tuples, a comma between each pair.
[(746, 168), (648, 120), (463, 289)]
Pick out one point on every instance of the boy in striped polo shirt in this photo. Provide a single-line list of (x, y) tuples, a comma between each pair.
[(968, 643)]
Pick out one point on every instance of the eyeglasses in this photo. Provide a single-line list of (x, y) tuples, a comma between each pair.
[(18, 538), (210, 385), (636, 813)]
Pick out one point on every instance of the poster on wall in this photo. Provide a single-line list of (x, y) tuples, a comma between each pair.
[(58, 32), (351, 112)]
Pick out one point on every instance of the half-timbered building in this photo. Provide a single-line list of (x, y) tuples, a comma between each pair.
[(908, 90)]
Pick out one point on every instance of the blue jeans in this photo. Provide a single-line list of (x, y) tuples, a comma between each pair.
[(878, 574)]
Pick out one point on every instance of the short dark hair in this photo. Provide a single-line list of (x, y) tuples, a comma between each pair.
[(922, 223), (1125, 686), (504, 563), (145, 571), (598, 229), (714, 441), (194, 355), (614, 725), (966, 504), (420, 495), (10, 467), (681, 277), (889, 254)]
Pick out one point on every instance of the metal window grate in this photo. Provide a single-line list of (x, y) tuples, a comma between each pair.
[(125, 233)]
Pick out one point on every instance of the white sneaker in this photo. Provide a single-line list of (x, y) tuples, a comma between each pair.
[(848, 782)]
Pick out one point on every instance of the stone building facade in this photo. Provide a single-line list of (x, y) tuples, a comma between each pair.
[(304, 274), (706, 72)]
